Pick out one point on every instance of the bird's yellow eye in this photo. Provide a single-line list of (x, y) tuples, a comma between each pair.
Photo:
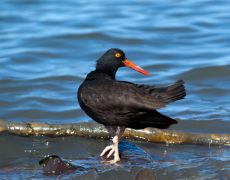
[(117, 55)]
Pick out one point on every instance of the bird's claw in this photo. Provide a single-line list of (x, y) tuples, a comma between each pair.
[(107, 148), (109, 151), (114, 161)]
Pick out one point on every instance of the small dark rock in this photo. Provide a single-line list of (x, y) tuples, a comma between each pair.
[(54, 165)]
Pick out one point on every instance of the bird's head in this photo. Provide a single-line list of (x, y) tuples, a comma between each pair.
[(115, 58)]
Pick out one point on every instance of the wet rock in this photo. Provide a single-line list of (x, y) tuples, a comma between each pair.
[(54, 165), (3, 126)]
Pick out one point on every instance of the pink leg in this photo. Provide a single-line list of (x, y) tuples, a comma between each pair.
[(113, 149)]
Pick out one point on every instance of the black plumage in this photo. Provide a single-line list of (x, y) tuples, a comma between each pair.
[(123, 104)]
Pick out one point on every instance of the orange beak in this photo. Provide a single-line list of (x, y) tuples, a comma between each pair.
[(135, 67)]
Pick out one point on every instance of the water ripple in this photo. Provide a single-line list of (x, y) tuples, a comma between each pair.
[(45, 56)]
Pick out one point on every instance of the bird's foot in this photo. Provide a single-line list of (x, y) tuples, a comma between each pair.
[(111, 161), (109, 150), (114, 161), (113, 149)]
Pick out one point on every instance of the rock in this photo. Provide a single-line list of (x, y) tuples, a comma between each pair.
[(54, 165)]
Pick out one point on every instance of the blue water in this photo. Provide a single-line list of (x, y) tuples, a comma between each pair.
[(47, 48)]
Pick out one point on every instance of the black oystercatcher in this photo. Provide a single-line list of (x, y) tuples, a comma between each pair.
[(120, 104)]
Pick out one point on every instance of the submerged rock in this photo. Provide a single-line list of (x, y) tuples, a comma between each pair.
[(54, 165)]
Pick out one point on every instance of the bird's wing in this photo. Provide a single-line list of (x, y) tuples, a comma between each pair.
[(119, 96)]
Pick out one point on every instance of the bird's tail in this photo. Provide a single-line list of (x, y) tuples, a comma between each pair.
[(153, 119), (174, 92)]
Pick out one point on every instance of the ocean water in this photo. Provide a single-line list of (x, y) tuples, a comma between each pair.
[(47, 48)]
